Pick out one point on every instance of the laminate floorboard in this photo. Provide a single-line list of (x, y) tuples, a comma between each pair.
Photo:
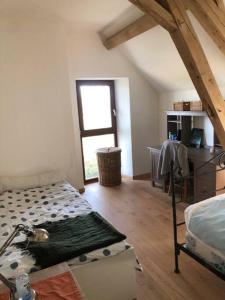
[(144, 214)]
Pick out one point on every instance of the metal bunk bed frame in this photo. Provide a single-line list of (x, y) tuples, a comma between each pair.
[(218, 159)]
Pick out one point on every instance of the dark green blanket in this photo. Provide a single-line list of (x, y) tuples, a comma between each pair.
[(71, 238)]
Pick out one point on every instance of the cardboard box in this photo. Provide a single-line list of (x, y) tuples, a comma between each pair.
[(181, 106), (196, 106)]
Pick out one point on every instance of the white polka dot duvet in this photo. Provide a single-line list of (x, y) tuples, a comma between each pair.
[(38, 205)]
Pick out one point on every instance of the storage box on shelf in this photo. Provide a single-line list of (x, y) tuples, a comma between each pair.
[(181, 106), (196, 106)]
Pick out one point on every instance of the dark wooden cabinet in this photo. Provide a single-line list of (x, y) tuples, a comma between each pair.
[(180, 126), (204, 182), (205, 178)]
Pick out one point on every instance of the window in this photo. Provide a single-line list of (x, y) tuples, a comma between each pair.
[(97, 118)]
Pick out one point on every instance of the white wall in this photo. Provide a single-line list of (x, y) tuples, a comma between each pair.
[(36, 129), (122, 95), (89, 59), (40, 59), (166, 103), (144, 123)]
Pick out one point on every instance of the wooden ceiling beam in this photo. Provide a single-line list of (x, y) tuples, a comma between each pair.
[(219, 9), (157, 11), (194, 58), (220, 4), (164, 4), (139, 26), (176, 21), (138, 5), (209, 14), (218, 12), (209, 20)]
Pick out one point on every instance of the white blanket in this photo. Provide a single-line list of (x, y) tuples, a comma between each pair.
[(206, 220), (205, 231)]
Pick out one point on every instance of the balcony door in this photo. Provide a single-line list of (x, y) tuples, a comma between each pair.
[(97, 118)]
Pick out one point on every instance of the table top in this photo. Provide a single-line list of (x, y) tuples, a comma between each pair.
[(194, 154)]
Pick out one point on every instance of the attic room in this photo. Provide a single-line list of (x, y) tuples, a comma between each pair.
[(112, 127)]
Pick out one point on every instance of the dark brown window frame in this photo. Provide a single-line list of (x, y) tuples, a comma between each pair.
[(100, 131)]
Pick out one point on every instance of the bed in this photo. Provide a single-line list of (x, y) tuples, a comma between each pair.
[(60, 201), (205, 226), (205, 231)]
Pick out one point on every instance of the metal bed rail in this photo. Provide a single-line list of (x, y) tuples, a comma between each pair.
[(219, 159)]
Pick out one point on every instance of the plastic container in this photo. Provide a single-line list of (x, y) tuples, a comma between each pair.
[(23, 287)]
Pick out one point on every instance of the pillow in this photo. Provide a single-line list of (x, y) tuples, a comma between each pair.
[(2, 190), (50, 177), (26, 182)]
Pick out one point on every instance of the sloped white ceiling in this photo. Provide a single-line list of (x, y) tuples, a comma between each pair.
[(153, 53), (156, 56), (88, 13)]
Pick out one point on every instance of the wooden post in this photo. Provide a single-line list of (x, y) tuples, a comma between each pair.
[(194, 58), (210, 20)]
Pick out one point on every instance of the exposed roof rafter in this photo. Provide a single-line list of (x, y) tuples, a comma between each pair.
[(157, 11), (174, 18), (196, 63), (218, 10), (209, 20), (211, 17), (220, 4), (137, 27)]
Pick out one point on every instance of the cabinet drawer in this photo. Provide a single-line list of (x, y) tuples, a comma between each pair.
[(220, 181), (205, 184)]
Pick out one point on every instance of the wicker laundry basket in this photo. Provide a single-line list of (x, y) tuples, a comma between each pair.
[(109, 166)]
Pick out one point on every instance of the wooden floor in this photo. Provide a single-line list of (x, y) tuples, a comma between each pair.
[(143, 213)]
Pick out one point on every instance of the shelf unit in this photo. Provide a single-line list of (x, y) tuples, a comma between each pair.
[(186, 113), (182, 122), (179, 124)]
